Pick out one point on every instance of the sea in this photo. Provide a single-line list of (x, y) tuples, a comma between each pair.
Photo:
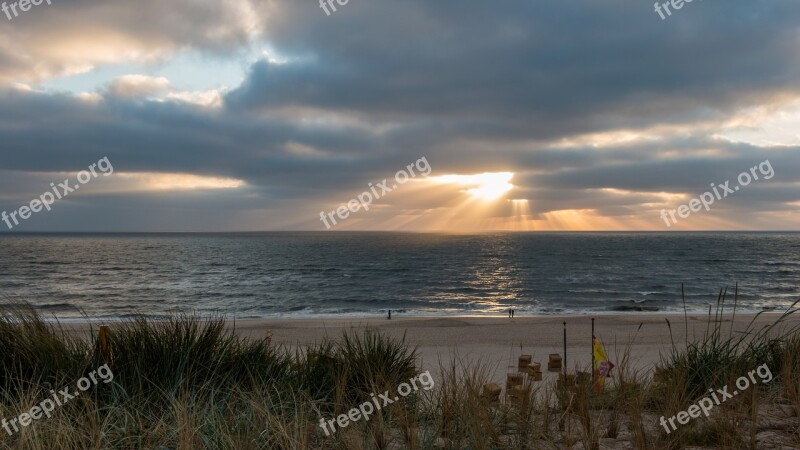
[(312, 274)]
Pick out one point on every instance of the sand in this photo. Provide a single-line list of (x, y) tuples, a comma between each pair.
[(498, 341)]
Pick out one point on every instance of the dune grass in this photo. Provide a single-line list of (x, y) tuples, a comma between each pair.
[(189, 382), (186, 382)]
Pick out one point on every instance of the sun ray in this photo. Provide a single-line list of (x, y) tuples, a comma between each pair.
[(488, 186)]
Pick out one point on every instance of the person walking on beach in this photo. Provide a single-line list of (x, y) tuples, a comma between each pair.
[(512, 313), (509, 313)]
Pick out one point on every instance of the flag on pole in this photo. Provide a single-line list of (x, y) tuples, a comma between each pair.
[(602, 366)]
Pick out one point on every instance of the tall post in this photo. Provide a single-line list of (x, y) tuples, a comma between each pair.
[(104, 343), (592, 349), (564, 368)]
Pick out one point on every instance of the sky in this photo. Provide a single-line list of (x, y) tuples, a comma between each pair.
[(240, 115)]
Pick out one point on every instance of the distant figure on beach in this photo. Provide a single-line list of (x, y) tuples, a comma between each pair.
[(512, 313), (390, 314), (509, 313)]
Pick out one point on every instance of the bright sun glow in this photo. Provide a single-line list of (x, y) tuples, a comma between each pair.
[(484, 186)]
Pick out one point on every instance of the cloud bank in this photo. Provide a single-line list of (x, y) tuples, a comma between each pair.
[(604, 113)]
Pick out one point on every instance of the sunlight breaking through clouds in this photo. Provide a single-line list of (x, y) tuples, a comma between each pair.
[(487, 186)]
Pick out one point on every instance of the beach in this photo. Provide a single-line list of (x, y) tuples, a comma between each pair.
[(408, 225), (497, 342), (424, 382)]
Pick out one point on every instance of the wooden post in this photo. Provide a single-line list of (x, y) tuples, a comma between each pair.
[(104, 343), (592, 349), (565, 347)]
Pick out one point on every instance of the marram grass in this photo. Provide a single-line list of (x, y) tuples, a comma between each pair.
[(191, 383)]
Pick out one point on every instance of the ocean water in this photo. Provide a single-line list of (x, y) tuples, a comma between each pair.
[(312, 274)]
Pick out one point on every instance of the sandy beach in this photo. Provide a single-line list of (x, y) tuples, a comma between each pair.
[(187, 363), (498, 341)]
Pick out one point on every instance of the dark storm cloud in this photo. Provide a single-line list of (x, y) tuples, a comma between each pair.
[(677, 175), (536, 68), (43, 132), (473, 86)]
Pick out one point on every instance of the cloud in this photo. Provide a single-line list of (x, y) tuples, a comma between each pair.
[(78, 36), (604, 113), (512, 62), (137, 86)]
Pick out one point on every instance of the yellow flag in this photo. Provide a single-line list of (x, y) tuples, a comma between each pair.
[(602, 366)]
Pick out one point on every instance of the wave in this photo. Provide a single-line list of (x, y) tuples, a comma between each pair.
[(634, 308)]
